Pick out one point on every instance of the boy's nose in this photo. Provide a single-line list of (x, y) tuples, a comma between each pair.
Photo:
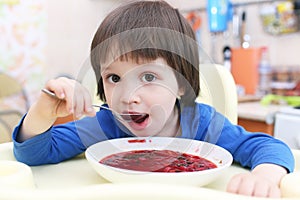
[(130, 93), (130, 97)]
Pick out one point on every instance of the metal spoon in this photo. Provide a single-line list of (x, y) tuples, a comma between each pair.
[(124, 116)]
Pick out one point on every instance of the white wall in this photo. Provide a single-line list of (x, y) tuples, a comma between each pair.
[(70, 30), (72, 25)]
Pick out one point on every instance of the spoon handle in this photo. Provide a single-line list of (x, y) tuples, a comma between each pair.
[(46, 91), (52, 94), (100, 106)]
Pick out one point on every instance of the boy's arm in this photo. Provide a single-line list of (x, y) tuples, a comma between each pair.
[(53, 146), (34, 123)]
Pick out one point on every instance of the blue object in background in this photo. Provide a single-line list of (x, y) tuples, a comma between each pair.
[(219, 13)]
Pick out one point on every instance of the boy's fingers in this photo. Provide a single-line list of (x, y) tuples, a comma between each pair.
[(88, 107), (77, 99)]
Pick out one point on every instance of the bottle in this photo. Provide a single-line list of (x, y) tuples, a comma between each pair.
[(265, 73), (227, 57)]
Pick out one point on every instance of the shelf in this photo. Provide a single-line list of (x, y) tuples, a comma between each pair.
[(234, 4)]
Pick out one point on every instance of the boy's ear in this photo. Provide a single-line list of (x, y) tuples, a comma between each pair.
[(181, 91)]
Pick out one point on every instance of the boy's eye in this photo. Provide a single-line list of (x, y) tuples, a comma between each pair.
[(148, 78), (114, 78)]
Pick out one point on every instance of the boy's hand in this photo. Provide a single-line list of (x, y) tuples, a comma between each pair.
[(72, 98), (262, 181)]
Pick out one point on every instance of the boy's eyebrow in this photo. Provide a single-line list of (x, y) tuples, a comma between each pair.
[(158, 65)]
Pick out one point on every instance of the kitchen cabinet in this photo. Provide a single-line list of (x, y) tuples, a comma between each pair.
[(255, 117), (256, 126)]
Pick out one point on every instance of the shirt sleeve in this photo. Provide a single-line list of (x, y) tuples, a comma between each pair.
[(52, 146)]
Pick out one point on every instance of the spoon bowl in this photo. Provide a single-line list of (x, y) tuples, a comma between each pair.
[(128, 117)]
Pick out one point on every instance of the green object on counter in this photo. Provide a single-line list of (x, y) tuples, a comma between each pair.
[(279, 99)]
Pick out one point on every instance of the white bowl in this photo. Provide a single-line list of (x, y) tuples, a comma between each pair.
[(289, 185), (14, 174), (221, 157)]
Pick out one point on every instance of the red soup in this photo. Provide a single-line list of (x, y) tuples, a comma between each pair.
[(158, 161)]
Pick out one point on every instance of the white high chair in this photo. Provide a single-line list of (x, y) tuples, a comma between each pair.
[(10, 116), (218, 89)]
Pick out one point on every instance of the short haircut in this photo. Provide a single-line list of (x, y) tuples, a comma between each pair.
[(148, 30)]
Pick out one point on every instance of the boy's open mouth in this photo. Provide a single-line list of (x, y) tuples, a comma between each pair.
[(136, 117)]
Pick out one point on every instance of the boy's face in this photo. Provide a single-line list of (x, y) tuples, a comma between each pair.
[(148, 87)]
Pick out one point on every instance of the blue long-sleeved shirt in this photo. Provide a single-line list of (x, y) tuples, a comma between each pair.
[(201, 122)]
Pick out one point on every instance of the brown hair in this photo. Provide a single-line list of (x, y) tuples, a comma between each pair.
[(147, 30)]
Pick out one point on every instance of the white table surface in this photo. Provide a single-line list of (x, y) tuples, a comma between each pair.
[(75, 179)]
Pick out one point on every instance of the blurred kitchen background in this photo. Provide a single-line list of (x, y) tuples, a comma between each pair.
[(257, 40)]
